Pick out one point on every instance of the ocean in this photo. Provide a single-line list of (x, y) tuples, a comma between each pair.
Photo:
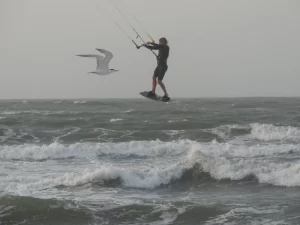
[(136, 161)]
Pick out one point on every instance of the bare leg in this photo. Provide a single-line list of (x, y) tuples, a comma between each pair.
[(154, 83), (161, 84)]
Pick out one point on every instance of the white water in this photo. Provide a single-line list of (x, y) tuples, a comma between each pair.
[(162, 162), (221, 161)]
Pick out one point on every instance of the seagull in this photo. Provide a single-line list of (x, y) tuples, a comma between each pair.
[(102, 62)]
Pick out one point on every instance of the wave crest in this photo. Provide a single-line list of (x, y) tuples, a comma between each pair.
[(269, 132), (82, 150)]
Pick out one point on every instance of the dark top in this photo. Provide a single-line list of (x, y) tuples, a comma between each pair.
[(163, 52)]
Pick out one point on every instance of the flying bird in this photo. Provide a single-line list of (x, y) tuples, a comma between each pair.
[(102, 62)]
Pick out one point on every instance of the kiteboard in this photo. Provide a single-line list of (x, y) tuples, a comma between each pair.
[(155, 97)]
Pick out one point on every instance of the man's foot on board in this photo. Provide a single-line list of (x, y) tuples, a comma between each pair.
[(151, 94), (166, 98)]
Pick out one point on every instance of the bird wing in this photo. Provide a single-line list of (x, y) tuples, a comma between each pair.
[(99, 58), (106, 60)]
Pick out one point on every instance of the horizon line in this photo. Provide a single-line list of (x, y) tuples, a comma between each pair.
[(140, 98)]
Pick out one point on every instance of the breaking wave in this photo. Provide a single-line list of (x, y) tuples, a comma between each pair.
[(195, 162), (264, 132), (82, 150), (269, 132)]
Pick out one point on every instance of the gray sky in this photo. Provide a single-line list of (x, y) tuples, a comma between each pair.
[(219, 48)]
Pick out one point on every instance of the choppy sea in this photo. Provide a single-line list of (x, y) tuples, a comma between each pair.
[(136, 161)]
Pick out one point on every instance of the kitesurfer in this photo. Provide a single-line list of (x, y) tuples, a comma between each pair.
[(162, 65)]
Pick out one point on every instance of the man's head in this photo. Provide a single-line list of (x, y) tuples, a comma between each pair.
[(163, 41)]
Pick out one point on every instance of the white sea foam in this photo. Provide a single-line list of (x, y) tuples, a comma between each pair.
[(43, 112), (7, 134), (220, 160), (115, 120), (57, 150), (174, 132), (147, 178), (35, 152), (224, 131), (129, 111), (241, 213), (229, 149), (281, 174), (71, 130), (265, 132), (10, 112), (178, 120), (268, 132), (130, 178), (79, 102), (152, 177)]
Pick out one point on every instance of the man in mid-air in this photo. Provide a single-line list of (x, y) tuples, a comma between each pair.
[(162, 65)]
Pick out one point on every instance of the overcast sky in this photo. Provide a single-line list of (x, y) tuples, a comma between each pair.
[(219, 48)]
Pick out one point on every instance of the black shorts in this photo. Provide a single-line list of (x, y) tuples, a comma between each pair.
[(160, 71)]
